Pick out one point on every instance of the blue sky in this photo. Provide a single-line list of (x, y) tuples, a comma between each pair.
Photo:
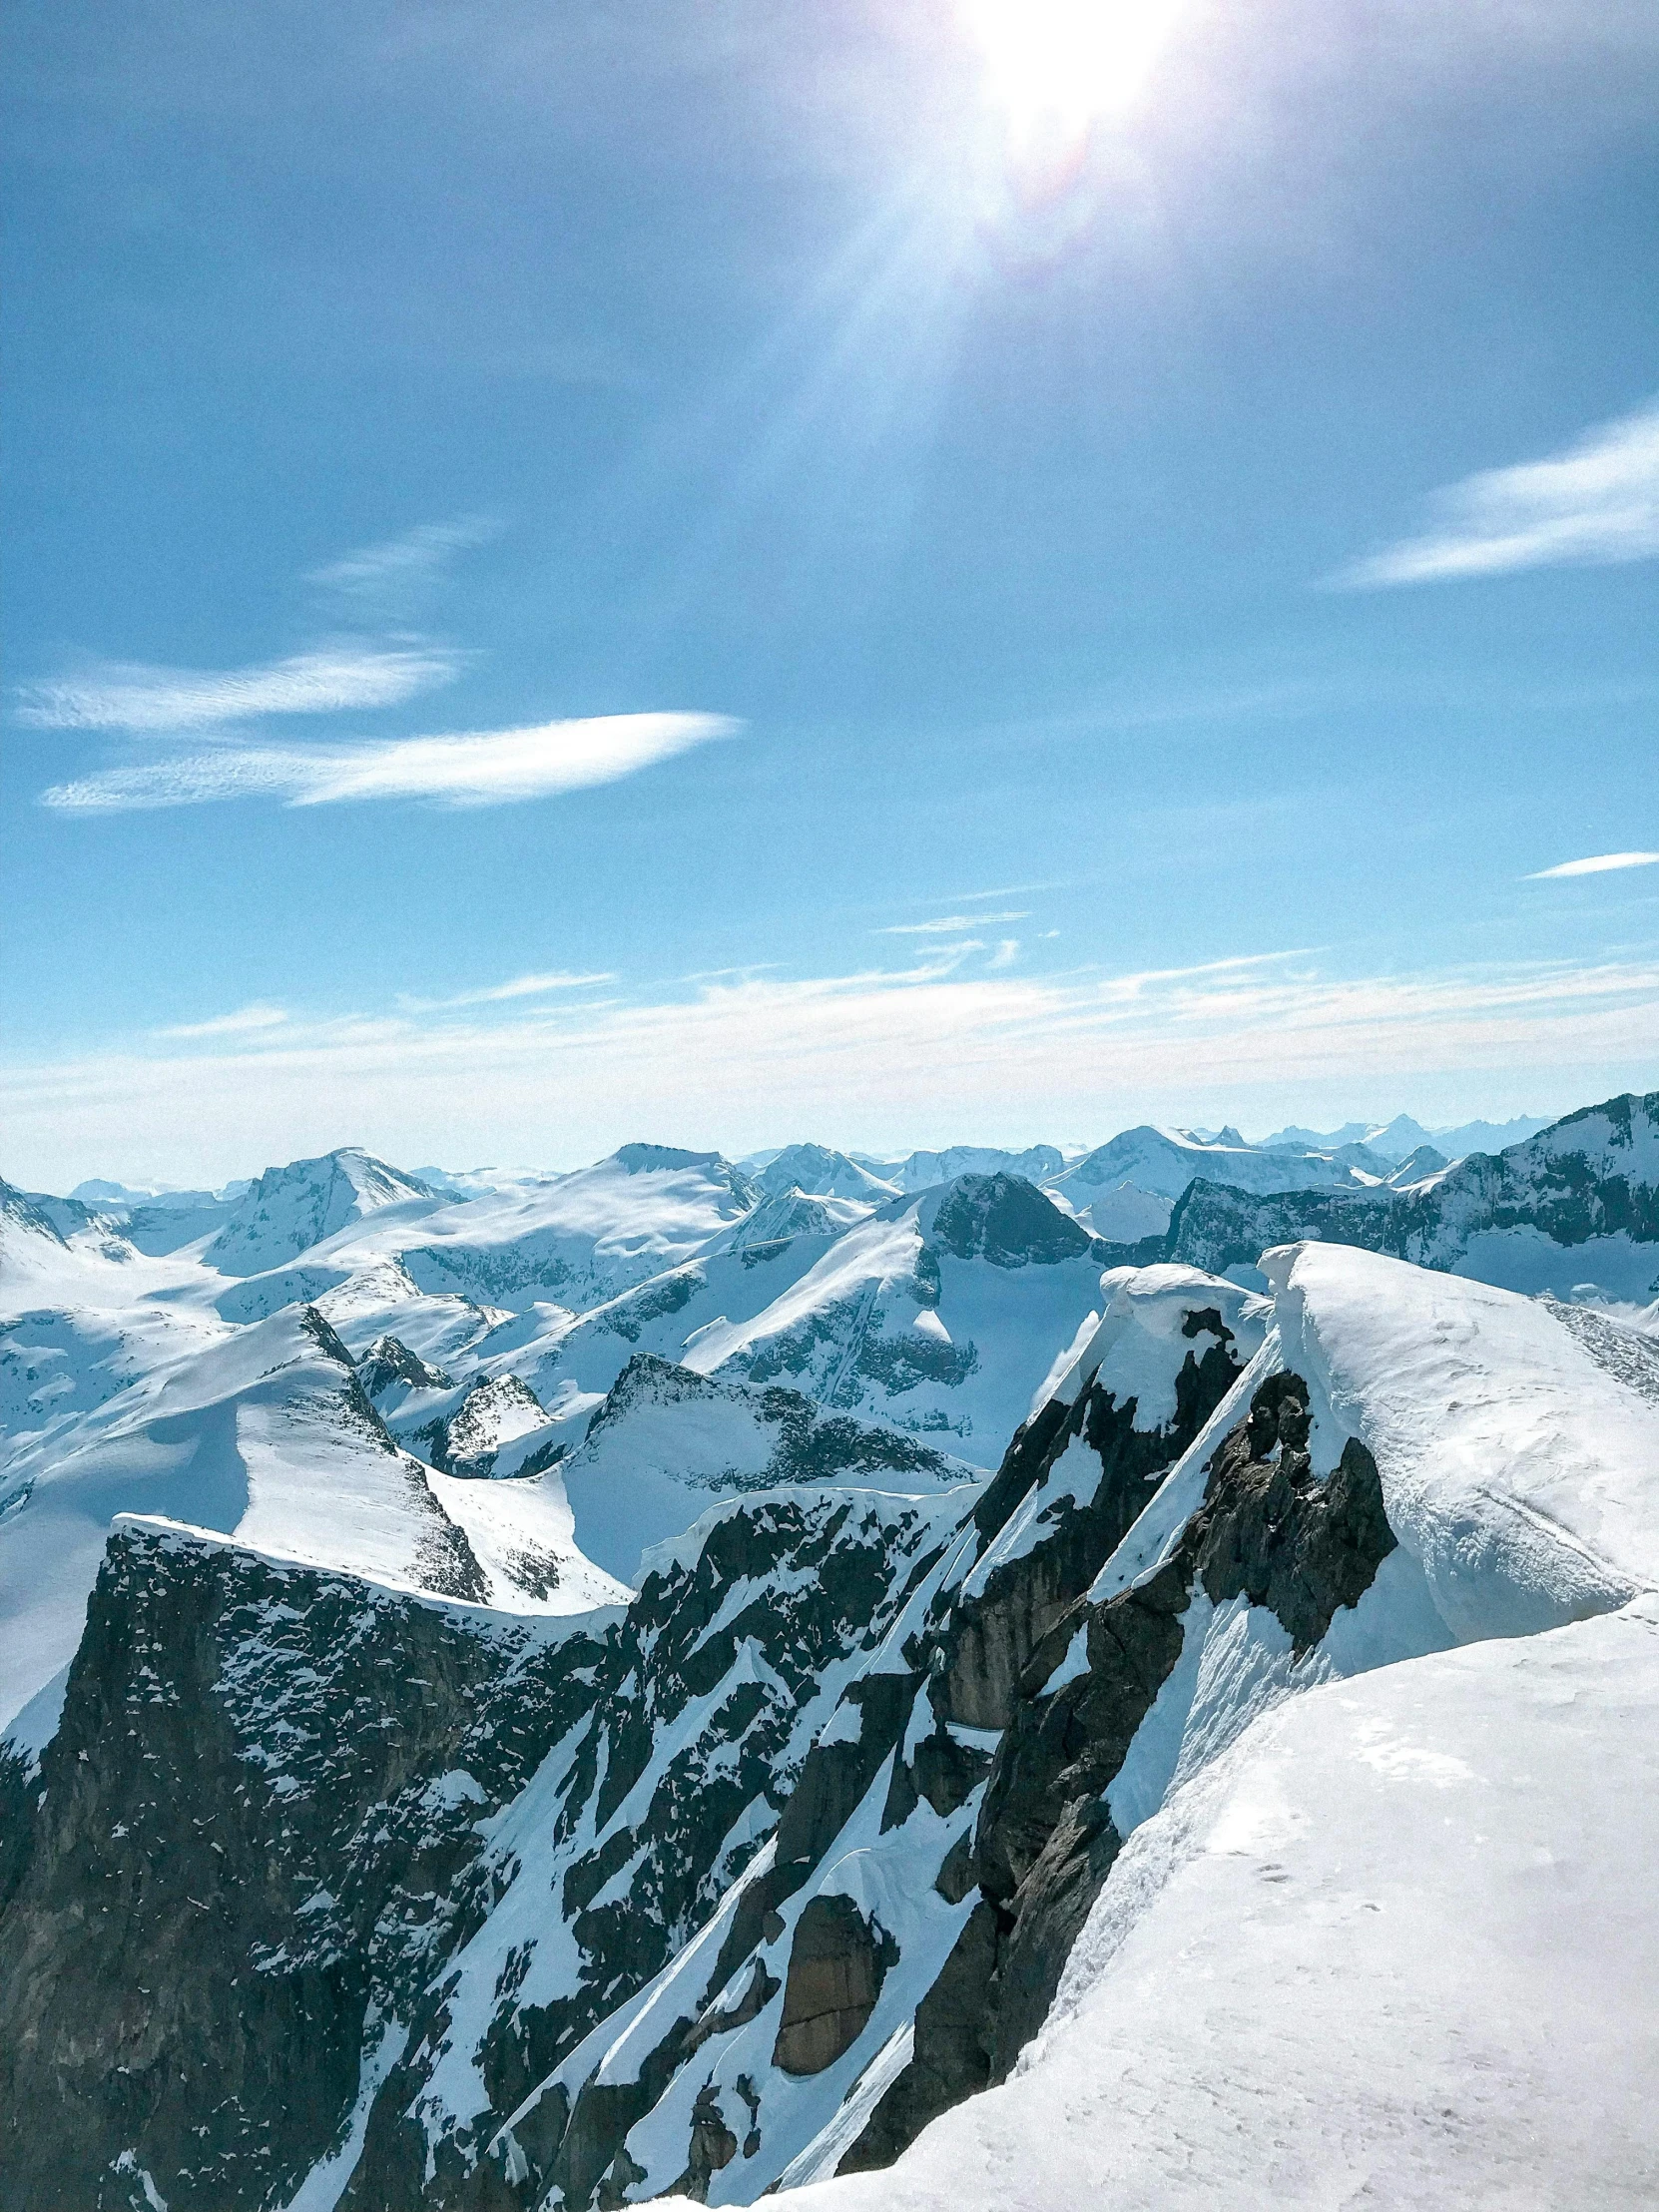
[(731, 571)]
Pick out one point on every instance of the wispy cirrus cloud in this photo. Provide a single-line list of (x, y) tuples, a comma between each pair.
[(142, 701), (1599, 864), (946, 926), (394, 573), (498, 994), (1596, 502), (489, 767), (247, 1022)]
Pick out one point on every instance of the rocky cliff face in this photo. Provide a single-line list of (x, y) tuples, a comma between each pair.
[(247, 1846), (781, 2023)]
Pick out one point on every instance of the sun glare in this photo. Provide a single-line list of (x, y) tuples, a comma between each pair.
[(1059, 65)]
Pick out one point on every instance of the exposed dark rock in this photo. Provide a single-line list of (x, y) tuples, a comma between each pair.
[(958, 1871), (761, 1988), (951, 2055), (1299, 1547), (946, 1771), (992, 1636), (1044, 1842), (713, 2145), (1007, 1221), (185, 1965), (838, 1962), (388, 1359)]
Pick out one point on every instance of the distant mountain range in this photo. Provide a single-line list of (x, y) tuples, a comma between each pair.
[(549, 1691), (1394, 1139)]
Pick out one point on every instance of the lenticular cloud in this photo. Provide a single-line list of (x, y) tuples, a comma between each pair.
[(477, 768)]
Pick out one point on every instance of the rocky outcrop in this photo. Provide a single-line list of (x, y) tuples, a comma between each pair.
[(470, 1441), (1006, 1220), (800, 1443), (989, 1638), (837, 1966), (388, 1359), (1267, 1530), (694, 1747)]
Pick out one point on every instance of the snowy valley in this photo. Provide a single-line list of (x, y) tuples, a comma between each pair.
[(1117, 1678)]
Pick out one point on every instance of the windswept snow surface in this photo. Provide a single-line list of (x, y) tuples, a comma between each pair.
[(1396, 1949), (1518, 1453)]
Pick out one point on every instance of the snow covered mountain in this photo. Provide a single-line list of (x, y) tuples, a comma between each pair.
[(1574, 1210), (666, 1442), (292, 1209), (863, 1797), (1394, 1139), (814, 1168), (921, 1170), (267, 1437), (666, 1679), (1163, 1162)]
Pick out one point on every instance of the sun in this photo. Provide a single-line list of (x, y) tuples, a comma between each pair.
[(1059, 65)]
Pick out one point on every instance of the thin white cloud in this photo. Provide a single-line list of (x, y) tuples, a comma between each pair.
[(521, 986), (481, 768), (1599, 864), (1005, 955), (399, 570), (946, 926), (1595, 502), (146, 701), (563, 1078), (1004, 891), (246, 1021)]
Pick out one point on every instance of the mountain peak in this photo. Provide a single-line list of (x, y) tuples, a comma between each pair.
[(290, 1208), (1006, 1220)]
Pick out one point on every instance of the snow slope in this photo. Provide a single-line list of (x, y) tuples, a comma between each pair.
[(1518, 1441), (1515, 1449), (1250, 1788), (578, 1239), (940, 1313), (1396, 1949)]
